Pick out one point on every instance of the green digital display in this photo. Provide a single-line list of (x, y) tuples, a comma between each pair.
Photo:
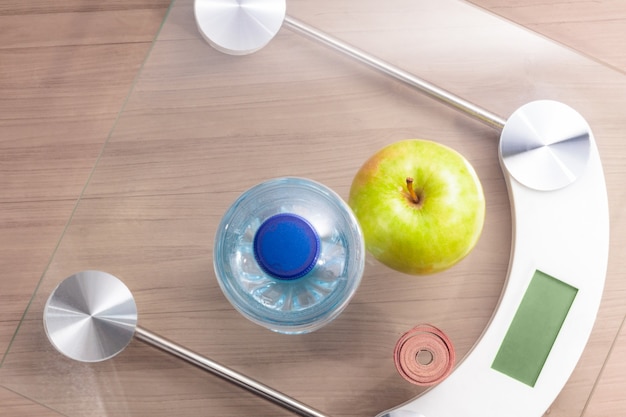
[(534, 328)]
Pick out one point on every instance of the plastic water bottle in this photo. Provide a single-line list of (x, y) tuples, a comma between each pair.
[(289, 255)]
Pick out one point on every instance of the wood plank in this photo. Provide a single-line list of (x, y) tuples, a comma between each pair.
[(86, 28), (608, 397), (30, 232), (63, 79), (14, 405), (18, 7), (595, 28), (57, 107)]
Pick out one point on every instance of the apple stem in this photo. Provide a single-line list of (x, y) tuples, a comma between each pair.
[(409, 185)]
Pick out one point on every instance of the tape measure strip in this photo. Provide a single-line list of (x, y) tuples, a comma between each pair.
[(424, 355)]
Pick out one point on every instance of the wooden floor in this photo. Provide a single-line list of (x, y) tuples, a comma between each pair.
[(66, 68)]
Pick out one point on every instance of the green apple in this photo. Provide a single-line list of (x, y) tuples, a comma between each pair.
[(420, 205)]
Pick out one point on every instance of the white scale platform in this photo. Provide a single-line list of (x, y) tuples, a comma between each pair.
[(556, 232)]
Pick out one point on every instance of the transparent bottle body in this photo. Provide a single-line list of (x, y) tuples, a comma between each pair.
[(294, 305)]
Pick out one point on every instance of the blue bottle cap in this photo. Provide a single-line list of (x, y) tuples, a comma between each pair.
[(286, 246)]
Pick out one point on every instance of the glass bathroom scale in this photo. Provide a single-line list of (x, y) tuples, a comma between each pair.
[(200, 127)]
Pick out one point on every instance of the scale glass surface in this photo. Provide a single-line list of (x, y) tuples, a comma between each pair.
[(199, 127)]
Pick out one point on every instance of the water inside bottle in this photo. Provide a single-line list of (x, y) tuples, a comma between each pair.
[(289, 296)]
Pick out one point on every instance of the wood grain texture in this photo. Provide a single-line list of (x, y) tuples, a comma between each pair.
[(64, 75), (608, 398), (30, 232), (15, 405), (84, 28), (595, 28), (170, 168), (16, 7)]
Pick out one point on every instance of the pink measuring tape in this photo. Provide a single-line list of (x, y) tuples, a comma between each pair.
[(424, 355)]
